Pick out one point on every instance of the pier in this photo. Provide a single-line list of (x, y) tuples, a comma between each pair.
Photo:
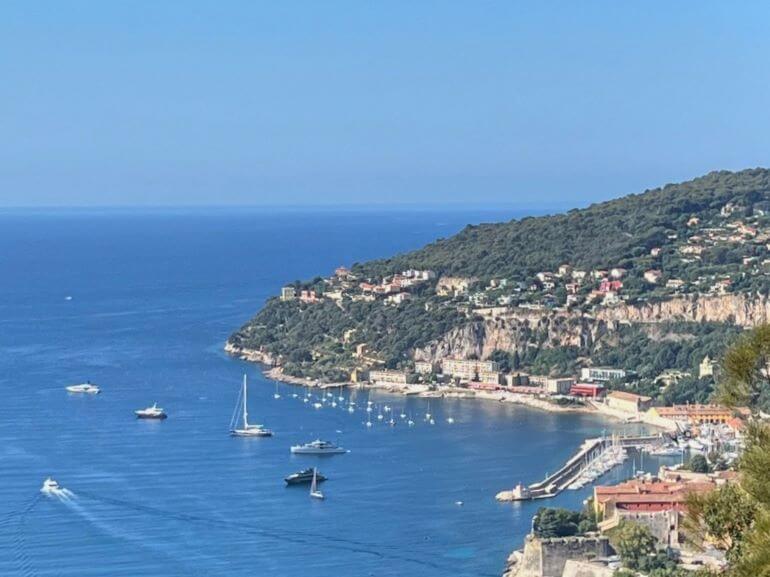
[(555, 483)]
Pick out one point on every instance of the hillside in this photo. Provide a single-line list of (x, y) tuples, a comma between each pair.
[(565, 290)]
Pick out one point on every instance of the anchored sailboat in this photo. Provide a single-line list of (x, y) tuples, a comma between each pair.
[(314, 492), (245, 430)]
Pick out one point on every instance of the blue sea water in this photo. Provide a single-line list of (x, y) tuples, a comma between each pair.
[(154, 295)]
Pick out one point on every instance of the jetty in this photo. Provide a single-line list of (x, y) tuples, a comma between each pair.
[(555, 483)]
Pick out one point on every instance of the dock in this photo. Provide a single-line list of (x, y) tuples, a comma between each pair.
[(555, 483)]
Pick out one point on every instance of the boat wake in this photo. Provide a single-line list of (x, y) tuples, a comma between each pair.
[(303, 538)]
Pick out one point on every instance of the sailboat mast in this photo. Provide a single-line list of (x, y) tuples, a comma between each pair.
[(245, 405)]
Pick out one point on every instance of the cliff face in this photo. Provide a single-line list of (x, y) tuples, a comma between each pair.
[(515, 330)]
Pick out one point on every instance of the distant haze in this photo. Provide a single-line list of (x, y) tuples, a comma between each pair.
[(532, 104)]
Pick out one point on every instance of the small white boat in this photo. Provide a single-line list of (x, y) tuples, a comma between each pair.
[(432, 422), (317, 447), (351, 409), (450, 420), (314, 492), (50, 486), (245, 429), (276, 394), (154, 412), (317, 405), (368, 424), (403, 415), (410, 422), (85, 388)]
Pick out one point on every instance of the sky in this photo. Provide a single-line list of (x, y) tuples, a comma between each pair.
[(306, 103)]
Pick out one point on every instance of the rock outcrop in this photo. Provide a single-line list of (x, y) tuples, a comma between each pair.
[(516, 329)]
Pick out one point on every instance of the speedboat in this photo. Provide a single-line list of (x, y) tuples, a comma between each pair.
[(50, 486), (317, 447), (86, 388), (303, 477), (154, 412)]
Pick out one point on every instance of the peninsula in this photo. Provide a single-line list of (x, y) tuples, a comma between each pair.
[(636, 296)]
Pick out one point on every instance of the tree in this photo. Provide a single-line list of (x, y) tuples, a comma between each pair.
[(698, 464), (634, 543), (744, 382)]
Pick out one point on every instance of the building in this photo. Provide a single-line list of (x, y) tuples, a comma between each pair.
[(387, 376), (491, 377), (308, 296), (588, 390), (553, 385), (659, 505), (697, 414), (467, 370), (653, 276), (359, 375), (342, 272), (423, 367), (517, 379), (628, 402), (706, 367), (288, 293), (602, 374)]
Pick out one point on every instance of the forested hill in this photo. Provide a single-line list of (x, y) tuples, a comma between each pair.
[(614, 233)]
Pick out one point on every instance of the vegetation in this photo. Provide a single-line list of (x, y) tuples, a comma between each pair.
[(557, 522), (617, 233), (737, 518)]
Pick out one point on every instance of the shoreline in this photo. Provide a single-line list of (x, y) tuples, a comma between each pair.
[(275, 373)]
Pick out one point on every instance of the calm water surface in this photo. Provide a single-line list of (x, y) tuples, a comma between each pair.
[(154, 296)]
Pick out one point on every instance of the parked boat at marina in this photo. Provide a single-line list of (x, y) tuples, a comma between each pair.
[(314, 492)]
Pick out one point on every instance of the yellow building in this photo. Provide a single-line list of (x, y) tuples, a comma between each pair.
[(628, 402), (696, 414)]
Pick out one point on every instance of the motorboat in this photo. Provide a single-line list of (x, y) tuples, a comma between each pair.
[(241, 427), (84, 388), (154, 412), (50, 486), (303, 477), (317, 447)]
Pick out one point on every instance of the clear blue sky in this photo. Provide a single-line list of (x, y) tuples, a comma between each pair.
[(317, 102)]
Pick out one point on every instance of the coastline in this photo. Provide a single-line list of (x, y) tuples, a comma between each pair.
[(274, 372)]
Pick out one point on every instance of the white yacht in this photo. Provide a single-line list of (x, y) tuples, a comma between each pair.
[(317, 447), (239, 424), (86, 388), (154, 412), (50, 486)]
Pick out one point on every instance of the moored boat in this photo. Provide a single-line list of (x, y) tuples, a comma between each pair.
[(84, 388), (317, 447), (154, 412), (244, 428), (303, 477)]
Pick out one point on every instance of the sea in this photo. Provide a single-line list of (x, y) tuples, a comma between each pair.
[(141, 302)]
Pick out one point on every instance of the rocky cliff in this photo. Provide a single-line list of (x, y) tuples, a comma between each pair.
[(517, 329)]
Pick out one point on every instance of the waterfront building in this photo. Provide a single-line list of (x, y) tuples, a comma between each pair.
[(467, 370), (553, 385), (628, 402), (492, 377), (517, 379), (423, 367), (602, 374), (697, 414), (288, 293), (589, 390), (388, 376)]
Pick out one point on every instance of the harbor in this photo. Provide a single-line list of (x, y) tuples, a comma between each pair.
[(595, 457)]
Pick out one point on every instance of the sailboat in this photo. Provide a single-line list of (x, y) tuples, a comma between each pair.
[(245, 430), (276, 394), (314, 492)]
